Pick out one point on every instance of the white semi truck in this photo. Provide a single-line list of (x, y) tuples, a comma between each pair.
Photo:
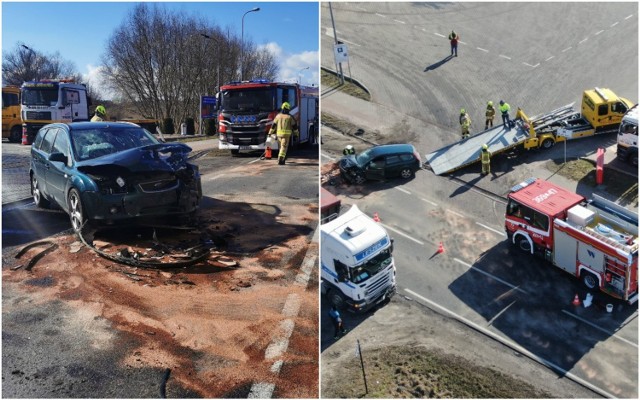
[(628, 137), (358, 271)]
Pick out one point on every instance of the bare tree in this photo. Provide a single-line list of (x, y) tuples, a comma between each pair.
[(23, 64), (162, 62)]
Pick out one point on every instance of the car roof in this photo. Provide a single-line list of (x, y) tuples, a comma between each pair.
[(391, 148), (93, 125)]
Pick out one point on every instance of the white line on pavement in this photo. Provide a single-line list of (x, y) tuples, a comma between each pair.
[(514, 346), (380, 15), (403, 234), (256, 160), (583, 40), (629, 16), (481, 49), (500, 313), (529, 65), (614, 24), (461, 42), (503, 56), (214, 177), (455, 213), (401, 22), (599, 32), (490, 276), (402, 190), (438, 34), (567, 49), (599, 328), (327, 156), (491, 229), (549, 58), (430, 202)]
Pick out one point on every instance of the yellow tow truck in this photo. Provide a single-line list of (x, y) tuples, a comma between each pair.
[(11, 120)]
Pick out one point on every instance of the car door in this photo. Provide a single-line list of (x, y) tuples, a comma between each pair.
[(58, 171), (375, 169), (393, 166), (39, 153)]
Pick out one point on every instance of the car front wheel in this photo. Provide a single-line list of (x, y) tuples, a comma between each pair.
[(76, 211), (38, 197), (359, 179)]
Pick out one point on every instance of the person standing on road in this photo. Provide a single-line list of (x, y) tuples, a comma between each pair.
[(337, 322), (485, 158), (490, 113), (284, 125), (100, 114), (504, 109), (465, 123), (453, 38)]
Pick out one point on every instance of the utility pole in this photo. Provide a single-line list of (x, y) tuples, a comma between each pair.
[(335, 37)]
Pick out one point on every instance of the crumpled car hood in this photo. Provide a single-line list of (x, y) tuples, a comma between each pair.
[(348, 162), (154, 157)]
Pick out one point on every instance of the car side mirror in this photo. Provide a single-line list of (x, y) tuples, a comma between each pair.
[(59, 157)]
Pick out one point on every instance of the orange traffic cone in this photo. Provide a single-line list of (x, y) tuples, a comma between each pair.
[(267, 153), (25, 139), (440, 248), (576, 300), (376, 217)]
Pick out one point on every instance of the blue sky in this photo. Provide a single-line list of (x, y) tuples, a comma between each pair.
[(79, 31)]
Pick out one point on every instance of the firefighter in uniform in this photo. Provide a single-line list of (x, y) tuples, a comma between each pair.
[(349, 150), (485, 158), (504, 109), (284, 125), (490, 113), (465, 123), (99, 115)]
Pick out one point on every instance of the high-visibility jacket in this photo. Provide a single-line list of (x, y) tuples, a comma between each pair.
[(485, 156), (284, 125), (96, 118), (465, 121), (491, 112), (504, 108)]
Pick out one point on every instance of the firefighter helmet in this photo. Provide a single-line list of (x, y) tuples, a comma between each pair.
[(462, 111), (490, 103), (101, 110), (485, 147), (286, 106)]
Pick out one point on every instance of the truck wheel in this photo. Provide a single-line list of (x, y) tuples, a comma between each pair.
[(235, 152), (633, 159), (523, 244), (336, 299), (589, 280), (547, 144), (16, 134)]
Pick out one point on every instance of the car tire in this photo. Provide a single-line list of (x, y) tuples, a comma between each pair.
[(76, 210), (38, 196), (589, 280), (16, 134), (407, 173), (359, 179), (547, 144)]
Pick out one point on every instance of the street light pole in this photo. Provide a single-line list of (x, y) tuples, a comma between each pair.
[(300, 74), (242, 43), (217, 55)]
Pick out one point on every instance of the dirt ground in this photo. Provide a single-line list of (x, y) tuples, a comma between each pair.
[(209, 323)]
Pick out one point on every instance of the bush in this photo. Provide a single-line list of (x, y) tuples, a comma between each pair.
[(167, 126), (210, 126), (191, 126)]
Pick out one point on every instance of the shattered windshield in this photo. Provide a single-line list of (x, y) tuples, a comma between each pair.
[(364, 157), (40, 96), (363, 272), (88, 144), (251, 100)]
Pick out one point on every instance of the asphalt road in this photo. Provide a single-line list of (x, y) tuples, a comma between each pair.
[(538, 56)]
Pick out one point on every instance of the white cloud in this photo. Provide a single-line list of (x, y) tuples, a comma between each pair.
[(94, 78), (296, 67)]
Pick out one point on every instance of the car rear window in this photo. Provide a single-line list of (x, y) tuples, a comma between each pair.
[(88, 144)]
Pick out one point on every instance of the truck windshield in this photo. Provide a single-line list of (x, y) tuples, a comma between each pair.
[(365, 271), (251, 100), (40, 96)]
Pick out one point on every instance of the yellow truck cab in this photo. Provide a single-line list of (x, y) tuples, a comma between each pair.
[(11, 121), (601, 112)]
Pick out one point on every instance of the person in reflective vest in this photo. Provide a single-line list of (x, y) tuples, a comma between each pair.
[(99, 115), (283, 126), (485, 158), (490, 113), (504, 109), (465, 123), (348, 150)]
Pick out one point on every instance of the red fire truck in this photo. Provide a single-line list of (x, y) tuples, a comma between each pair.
[(247, 109), (596, 240)]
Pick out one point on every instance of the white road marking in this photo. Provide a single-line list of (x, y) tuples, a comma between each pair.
[(403, 190), (500, 313), (401, 22), (567, 49), (256, 160), (628, 16), (461, 42), (549, 58), (402, 234), (327, 156), (514, 287), (529, 65), (437, 34), (214, 177), (430, 202), (380, 15), (481, 49), (583, 40), (599, 32), (599, 328), (455, 213), (614, 24), (514, 346), (503, 56), (491, 229)]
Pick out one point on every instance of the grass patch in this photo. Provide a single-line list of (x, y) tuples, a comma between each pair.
[(401, 372), (338, 124), (622, 186), (330, 81)]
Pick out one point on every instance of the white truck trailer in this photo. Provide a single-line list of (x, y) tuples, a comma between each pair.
[(358, 271)]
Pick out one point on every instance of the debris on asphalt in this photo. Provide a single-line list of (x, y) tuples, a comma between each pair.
[(37, 257)]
